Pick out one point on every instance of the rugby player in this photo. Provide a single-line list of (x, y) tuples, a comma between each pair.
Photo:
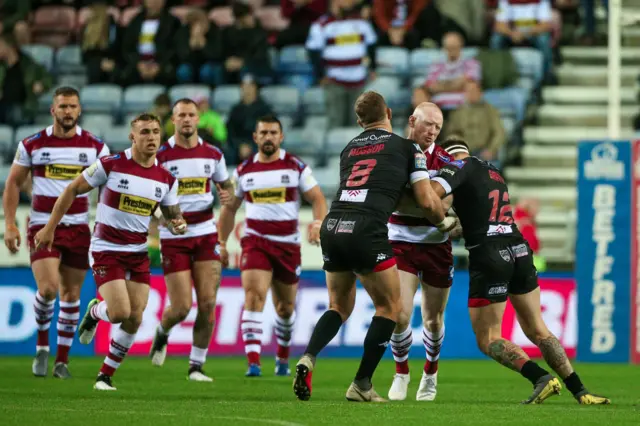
[(132, 185), (54, 157), (374, 170), (424, 258), (501, 266), (195, 254), (270, 183)]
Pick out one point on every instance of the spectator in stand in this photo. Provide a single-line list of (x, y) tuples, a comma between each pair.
[(589, 12), (396, 22), (479, 124), (301, 14), (148, 46), (100, 45), (519, 23), (466, 17), (445, 81), (338, 45), (162, 110), (524, 215), (199, 51), (246, 48), (14, 17), (22, 81), (211, 122), (242, 122)]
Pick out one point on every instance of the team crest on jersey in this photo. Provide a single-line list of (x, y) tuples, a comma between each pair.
[(458, 163), (83, 158), (207, 169), (505, 255), (158, 192), (284, 179), (331, 223)]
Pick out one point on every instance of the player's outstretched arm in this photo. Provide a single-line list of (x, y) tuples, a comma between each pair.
[(226, 222), (63, 203), (428, 200), (315, 197), (17, 178)]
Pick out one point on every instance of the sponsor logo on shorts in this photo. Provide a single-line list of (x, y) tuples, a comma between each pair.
[(420, 160), (381, 257), (505, 255), (269, 196), (447, 171), (62, 172), (520, 250), (354, 195), (100, 271), (346, 226), (216, 250), (298, 270), (497, 290), (136, 205), (331, 223), (190, 186)]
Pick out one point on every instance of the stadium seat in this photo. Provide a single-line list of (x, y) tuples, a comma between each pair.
[(128, 14), (294, 59), (85, 13), (69, 60), (24, 132), (140, 97), (43, 119), (318, 123), (287, 123), (390, 88), (271, 19), (117, 138), (283, 99), (44, 101), (526, 83), (392, 61), (97, 123), (40, 53), (313, 101), (74, 80), (190, 91), (101, 98), (304, 141), (511, 102), (509, 125), (225, 97), (529, 62), (53, 25), (418, 81), (6, 141), (337, 138), (222, 16)]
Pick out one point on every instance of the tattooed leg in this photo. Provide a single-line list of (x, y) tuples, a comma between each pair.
[(554, 355), (507, 353)]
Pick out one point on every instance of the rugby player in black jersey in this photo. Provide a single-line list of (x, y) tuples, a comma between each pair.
[(501, 266), (374, 170)]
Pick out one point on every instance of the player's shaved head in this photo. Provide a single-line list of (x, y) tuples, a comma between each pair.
[(371, 108), (425, 124), (424, 109)]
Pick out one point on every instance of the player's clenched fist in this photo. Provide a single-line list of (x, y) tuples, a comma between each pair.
[(44, 238), (224, 195), (12, 238), (177, 226), (314, 232), (224, 254)]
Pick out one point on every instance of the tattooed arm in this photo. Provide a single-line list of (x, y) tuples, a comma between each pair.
[(507, 353), (171, 212)]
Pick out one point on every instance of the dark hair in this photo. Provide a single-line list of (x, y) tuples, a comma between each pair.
[(240, 10), (453, 141), (269, 118), (370, 107), (145, 116), (185, 101), (66, 91), (162, 99)]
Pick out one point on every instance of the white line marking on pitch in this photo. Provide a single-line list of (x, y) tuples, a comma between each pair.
[(156, 413)]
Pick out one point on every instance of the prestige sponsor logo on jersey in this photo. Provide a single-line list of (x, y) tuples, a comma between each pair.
[(269, 196), (190, 186), (62, 172), (136, 205), (603, 263)]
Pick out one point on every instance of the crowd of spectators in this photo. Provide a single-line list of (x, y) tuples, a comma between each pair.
[(171, 42)]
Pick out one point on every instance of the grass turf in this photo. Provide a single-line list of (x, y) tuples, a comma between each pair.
[(469, 393)]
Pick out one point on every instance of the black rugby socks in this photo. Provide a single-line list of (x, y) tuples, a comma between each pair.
[(325, 330), (375, 343), (573, 382), (533, 372)]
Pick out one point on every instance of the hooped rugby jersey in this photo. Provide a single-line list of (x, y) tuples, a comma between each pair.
[(129, 194), (54, 164), (271, 192), (197, 170)]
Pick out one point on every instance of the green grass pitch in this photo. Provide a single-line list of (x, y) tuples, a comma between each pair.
[(469, 393)]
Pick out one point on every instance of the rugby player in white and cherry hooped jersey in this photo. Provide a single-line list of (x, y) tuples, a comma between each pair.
[(270, 183), (195, 255), (54, 156), (132, 186)]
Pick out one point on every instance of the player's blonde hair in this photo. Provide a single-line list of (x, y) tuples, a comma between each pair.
[(146, 116)]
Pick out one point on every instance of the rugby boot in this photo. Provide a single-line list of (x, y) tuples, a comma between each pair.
[(196, 374), (158, 351), (546, 387), (88, 325), (40, 366), (355, 394), (585, 398), (254, 370), (61, 371), (103, 383), (282, 367), (428, 387), (302, 379)]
